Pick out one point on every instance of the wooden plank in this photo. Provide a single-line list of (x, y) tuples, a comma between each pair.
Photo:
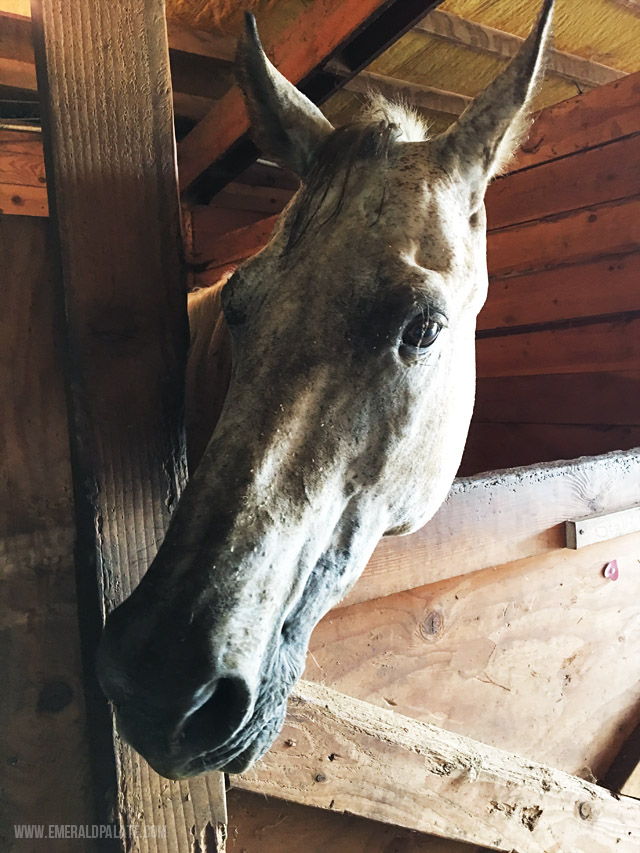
[(44, 773), (401, 771), (17, 74), (21, 159), (493, 42), (259, 824), (582, 180), (578, 236), (592, 287), (604, 229), (303, 46), (497, 518), (602, 527), (191, 40), (20, 8), (23, 200), (600, 116), (235, 246), (532, 643), (561, 398), (608, 346), (424, 97), (495, 445), (239, 196), (110, 160)]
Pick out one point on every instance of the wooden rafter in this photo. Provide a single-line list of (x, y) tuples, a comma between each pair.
[(484, 39), (356, 28), (425, 97), (339, 753)]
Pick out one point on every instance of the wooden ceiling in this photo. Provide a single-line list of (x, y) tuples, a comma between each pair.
[(458, 58), (438, 64)]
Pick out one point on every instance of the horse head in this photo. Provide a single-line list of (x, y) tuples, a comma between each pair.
[(350, 398)]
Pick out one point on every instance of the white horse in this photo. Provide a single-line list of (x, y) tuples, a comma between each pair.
[(350, 345)]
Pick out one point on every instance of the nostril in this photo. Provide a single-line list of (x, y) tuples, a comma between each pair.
[(223, 712)]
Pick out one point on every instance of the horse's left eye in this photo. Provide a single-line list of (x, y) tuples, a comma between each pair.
[(421, 332)]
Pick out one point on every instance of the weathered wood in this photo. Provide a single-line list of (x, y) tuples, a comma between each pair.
[(259, 824), (563, 398), (511, 656), (111, 177), (608, 112), (315, 34), (577, 236), (589, 288), (401, 771), (44, 772), (497, 518), (585, 179), (484, 39), (424, 97), (612, 345)]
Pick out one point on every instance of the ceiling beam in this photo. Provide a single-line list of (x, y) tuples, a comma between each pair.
[(357, 29), (339, 753), (190, 40), (484, 39), (425, 97)]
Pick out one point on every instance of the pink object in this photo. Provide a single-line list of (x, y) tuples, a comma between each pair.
[(611, 570)]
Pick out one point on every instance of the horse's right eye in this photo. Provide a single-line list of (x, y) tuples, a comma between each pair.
[(421, 332)]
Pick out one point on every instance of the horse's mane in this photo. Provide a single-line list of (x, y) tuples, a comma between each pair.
[(371, 136)]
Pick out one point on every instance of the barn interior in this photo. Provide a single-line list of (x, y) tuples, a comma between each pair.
[(484, 624)]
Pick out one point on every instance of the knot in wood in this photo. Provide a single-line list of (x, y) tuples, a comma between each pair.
[(432, 625), (585, 810)]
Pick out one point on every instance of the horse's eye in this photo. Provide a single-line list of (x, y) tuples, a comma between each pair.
[(421, 332)]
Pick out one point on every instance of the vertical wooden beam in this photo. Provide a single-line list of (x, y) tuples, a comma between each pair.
[(103, 76)]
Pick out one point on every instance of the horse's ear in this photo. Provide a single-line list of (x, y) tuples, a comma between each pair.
[(488, 133), (285, 124)]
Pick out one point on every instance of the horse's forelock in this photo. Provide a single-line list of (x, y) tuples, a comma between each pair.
[(370, 137)]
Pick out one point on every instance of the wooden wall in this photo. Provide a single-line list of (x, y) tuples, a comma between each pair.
[(559, 338), (558, 347), (44, 757)]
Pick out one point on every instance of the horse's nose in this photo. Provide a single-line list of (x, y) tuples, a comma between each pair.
[(223, 711), (163, 702)]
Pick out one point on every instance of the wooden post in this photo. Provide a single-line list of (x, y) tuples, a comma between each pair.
[(105, 90)]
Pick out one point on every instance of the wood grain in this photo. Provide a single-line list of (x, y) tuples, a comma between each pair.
[(44, 772), (500, 517), (585, 179), (112, 186), (392, 768), (23, 200), (588, 289), (540, 656), (606, 113), (21, 160), (568, 238), (258, 824), (598, 346)]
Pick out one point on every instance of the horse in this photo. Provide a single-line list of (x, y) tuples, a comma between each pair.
[(348, 348)]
